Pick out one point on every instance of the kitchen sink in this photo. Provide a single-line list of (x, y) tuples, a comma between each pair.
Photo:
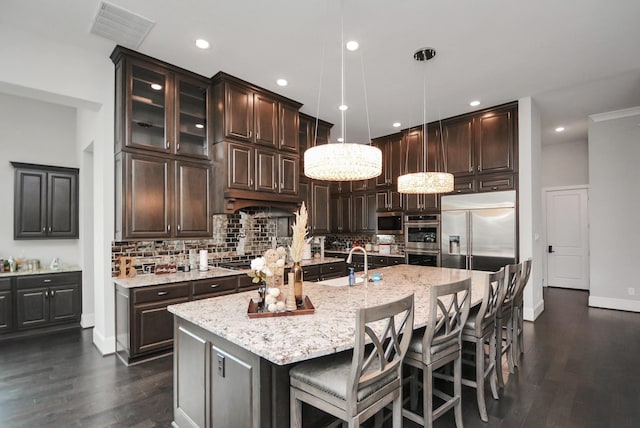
[(339, 282)]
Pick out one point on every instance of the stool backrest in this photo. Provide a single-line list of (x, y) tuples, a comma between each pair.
[(525, 273), (494, 292), (388, 346), (449, 305), (511, 284)]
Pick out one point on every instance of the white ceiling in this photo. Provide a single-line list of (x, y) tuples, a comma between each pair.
[(575, 58)]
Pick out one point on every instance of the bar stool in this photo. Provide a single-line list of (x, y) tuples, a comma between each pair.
[(354, 386), (504, 320), (436, 346), (517, 318), (479, 329)]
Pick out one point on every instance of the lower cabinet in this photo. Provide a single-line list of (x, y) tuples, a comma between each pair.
[(218, 383), (43, 300), (6, 307), (143, 324)]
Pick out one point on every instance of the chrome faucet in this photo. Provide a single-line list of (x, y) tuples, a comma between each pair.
[(366, 263)]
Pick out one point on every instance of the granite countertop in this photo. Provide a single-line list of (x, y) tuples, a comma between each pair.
[(289, 339), (370, 253), (213, 272), (46, 271)]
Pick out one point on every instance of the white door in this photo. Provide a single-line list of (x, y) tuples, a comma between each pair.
[(567, 238)]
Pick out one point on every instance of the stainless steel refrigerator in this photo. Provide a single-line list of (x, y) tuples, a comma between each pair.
[(479, 230)]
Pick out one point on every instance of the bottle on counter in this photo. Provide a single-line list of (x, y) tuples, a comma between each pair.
[(12, 264), (352, 276)]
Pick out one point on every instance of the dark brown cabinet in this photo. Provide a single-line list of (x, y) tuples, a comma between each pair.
[(43, 300), (45, 202), (6, 305), (364, 212), (161, 197), (162, 150), (392, 161), (414, 157), (159, 107), (341, 214), (481, 144), (312, 131), (320, 208)]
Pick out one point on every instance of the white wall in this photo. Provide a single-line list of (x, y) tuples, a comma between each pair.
[(43, 69), (565, 164), (530, 202), (614, 181), (37, 132)]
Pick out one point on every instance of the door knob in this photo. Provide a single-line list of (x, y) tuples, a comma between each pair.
[(550, 250)]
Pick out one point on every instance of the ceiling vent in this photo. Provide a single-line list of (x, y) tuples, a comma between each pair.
[(121, 25)]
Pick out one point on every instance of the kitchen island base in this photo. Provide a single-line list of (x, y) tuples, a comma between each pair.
[(215, 380)]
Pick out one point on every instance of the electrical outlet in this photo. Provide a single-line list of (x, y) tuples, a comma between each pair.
[(631, 291)]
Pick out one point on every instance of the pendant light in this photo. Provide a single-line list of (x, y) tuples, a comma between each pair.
[(343, 161), (426, 182)]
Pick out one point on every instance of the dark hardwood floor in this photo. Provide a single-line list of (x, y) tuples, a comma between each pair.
[(581, 369)]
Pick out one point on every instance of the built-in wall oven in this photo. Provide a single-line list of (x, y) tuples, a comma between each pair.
[(422, 239)]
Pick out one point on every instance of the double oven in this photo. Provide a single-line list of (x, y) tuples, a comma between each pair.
[(422, 239)]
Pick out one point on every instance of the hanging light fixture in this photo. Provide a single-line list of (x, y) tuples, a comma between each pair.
[(343, 161), (426, 182)]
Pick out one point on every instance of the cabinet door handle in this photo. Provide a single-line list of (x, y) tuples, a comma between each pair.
[(44, 230), (162, 293), (478, 167), (177, 147), (251, 182), (49, 229), (46, 281), (168, 228), (52, 293), (168, 144), (178, 227), (46, 294), (250, 134)]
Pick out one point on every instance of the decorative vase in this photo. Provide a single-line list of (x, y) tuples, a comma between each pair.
[(262, 292), (290, 303), (297, 281)]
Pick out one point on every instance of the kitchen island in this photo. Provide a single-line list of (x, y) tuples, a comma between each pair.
[(232, 370)]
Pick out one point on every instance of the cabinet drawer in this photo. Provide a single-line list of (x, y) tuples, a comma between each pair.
[(392, 261), (47, 280), (5, 284), (333, 270), (494, 182), (310, 273), (224, 284), (160, 292), (378, 261), (245, 283)]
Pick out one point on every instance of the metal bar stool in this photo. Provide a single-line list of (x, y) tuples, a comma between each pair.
[(354, 386), (436, 346)]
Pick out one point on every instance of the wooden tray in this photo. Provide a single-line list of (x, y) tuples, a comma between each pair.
[(305, 308)]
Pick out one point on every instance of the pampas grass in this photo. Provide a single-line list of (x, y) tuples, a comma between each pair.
[(296, 249)]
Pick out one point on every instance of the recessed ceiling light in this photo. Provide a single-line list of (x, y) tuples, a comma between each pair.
[(352, 45), (343, 107), (202, 44), (199, 125), (340, 140), (474, 103), (156, 86), (282, 82), (396, 124), (559, 129)]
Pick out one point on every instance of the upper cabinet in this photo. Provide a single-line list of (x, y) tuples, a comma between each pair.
[(45, 202), (162, 151), (250, 114), (160, 108), (484, 142), (311, 131)]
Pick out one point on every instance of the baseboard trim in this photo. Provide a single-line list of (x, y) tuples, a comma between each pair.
[(106, 345), (531, 314), (617, 304), (88, 320)]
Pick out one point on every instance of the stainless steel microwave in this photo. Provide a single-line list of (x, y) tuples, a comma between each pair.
[(389, 223)]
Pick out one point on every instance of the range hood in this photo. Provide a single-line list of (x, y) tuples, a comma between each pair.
[(269, 212)]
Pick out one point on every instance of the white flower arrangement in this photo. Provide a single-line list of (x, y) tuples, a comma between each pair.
[(268, 266)]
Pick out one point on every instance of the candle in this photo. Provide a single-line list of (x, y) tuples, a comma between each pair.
[(204, 260)]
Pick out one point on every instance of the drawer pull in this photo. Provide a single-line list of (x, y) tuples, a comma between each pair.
[(162, 293), (46, 281), (215, 285)]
